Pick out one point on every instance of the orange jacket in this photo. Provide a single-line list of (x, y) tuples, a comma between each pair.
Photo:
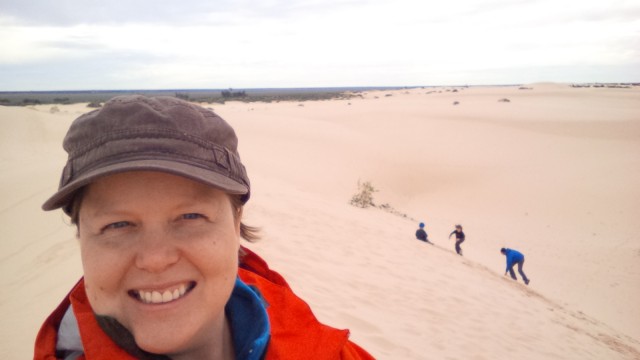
[(295, 331)]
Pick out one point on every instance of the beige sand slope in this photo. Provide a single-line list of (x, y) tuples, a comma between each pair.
[(553, 173)]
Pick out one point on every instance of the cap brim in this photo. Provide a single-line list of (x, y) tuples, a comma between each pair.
[(65, 194)]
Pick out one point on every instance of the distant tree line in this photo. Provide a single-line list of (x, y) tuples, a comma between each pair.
[(183, 96), (96, 98), (233, 94)]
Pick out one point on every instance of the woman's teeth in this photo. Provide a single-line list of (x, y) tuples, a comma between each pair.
[(156, 297)]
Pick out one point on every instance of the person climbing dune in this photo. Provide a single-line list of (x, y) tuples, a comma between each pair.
[(514, 257), (459, 238), (422, 235)]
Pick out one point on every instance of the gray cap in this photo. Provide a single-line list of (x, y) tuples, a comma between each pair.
[(164, 134)]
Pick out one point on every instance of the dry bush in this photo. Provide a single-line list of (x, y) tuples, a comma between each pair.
[(364, 197)]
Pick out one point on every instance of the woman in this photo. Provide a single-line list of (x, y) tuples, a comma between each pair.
[(156, 188), (459, 238)]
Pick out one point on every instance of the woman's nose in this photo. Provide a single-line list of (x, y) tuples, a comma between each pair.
[(156, 251)]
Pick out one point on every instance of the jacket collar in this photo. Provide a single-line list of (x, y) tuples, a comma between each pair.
[(245, 310)]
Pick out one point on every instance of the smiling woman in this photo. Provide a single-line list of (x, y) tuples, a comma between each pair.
[(155, 246), (156, 189)]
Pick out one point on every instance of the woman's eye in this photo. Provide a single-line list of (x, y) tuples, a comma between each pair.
[(192, 216), (117, 225)]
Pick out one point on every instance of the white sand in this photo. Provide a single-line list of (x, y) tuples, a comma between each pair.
[(553, 173)]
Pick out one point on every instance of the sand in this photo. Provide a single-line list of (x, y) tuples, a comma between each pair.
[(554, 173)]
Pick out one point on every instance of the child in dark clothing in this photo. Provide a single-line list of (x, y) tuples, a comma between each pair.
[(459, 238), (422, 235)]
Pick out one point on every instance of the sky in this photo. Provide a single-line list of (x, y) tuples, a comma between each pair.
[(214, 44)]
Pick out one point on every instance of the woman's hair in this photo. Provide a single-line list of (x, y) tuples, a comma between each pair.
[(249, 233)]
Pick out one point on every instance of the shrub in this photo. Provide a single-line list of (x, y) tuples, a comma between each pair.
[(31, 102), (233, 94), (364, 197), (183, 96), (61, 100), (94, 104)]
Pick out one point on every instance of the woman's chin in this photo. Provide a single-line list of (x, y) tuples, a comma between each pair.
[(160, 343)]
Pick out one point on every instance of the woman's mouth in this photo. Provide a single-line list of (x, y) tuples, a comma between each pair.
[(165, 296)]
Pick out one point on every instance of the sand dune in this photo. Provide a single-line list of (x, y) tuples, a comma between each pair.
[(553, 173)]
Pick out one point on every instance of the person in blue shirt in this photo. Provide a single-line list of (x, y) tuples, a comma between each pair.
[(514, 257)]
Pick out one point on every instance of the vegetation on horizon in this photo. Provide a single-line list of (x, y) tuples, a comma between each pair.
[(200, 96)]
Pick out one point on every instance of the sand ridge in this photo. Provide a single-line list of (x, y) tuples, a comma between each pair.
[(552, 172)]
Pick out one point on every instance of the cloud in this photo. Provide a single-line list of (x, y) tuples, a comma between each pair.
[(92, 72), (145, 43), (177, 13), (74, 12)]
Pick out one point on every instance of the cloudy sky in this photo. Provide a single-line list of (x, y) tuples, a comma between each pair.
[(169, 44)]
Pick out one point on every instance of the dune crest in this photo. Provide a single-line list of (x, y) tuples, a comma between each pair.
[(553, 172)]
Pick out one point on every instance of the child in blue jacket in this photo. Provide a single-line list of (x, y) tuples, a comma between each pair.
[(422, 235), (514, 257)]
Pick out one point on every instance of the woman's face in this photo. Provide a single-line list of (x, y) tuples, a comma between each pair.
[(160, 255)]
